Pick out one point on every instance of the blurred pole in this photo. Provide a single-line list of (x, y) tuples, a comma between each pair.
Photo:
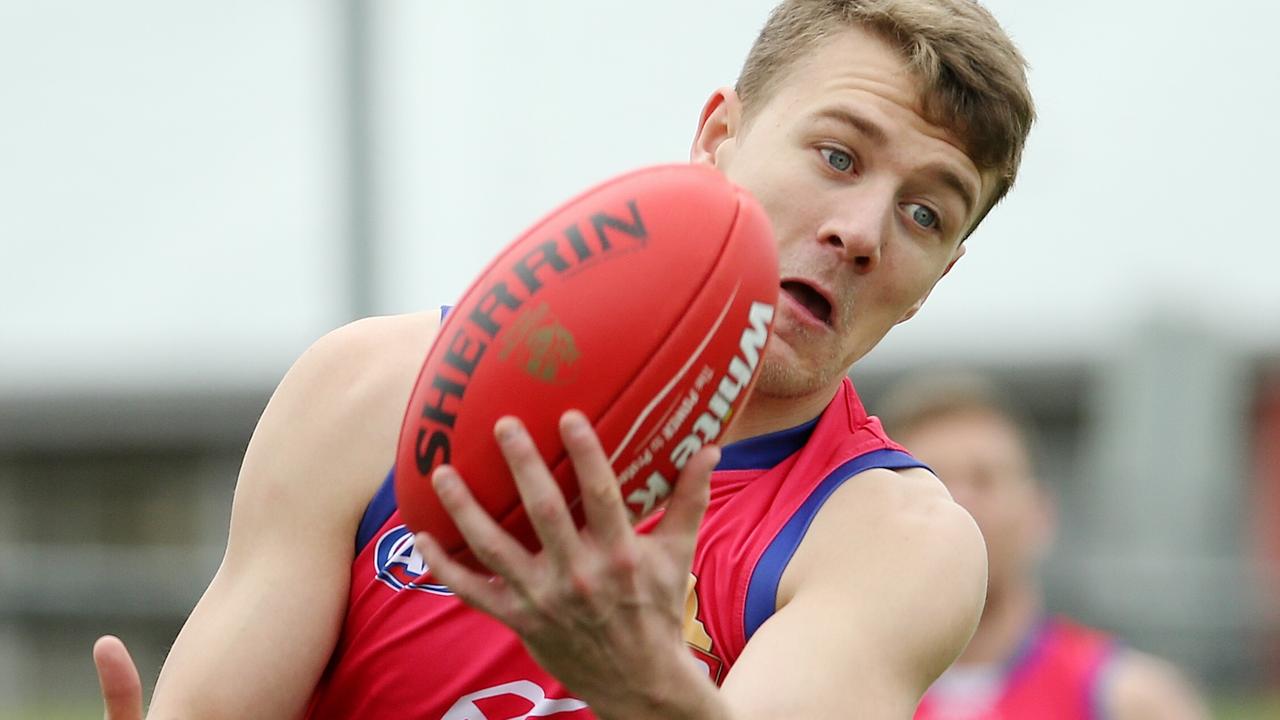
[(13, 650), (1165, 498), (357, 97), (1266, 516)]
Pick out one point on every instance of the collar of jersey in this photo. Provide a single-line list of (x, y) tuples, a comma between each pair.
[(764, 451)]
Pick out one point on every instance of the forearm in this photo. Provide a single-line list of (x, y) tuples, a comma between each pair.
[(685, 693), (251, 648)]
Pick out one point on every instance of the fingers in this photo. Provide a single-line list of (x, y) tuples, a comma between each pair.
[(490, 543), (543, 502), (118, 678), (601, 497), (689, 498), (483, 593)]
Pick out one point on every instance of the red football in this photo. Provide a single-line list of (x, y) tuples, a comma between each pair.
[(644, 302)]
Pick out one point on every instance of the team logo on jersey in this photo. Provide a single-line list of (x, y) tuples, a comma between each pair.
[(399, 564), (519, 700), (696, 636)]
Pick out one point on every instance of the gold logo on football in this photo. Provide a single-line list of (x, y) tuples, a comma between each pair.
[(542, 345)]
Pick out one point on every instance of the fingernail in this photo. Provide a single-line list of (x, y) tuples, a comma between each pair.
[(444, 479), (575, 423), (506, 429), (715, 456)]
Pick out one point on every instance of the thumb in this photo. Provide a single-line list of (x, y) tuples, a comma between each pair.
[(688, 502), (118, 677)]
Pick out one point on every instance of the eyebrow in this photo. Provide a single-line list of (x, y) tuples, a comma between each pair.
[(876, 134), (873, 131)]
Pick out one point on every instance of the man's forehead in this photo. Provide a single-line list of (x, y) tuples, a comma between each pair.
[(859, 52)]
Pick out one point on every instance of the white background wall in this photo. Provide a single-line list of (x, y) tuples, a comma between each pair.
[(169, 191), (171, 176)]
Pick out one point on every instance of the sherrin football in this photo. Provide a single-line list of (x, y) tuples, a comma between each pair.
[(645, 302)]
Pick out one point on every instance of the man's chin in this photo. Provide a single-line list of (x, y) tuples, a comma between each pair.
[(787, 378)]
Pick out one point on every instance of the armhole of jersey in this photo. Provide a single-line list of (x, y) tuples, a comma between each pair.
[(1029, 651), (762, 589), (383, 503), (378, 512)]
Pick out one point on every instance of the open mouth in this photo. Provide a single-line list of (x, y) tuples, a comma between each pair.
[(810, 299)]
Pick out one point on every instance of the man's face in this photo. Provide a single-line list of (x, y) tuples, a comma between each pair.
[(981, 459), (869, 202)]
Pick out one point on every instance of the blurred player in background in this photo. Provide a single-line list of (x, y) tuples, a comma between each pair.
[(832, 575), (1022, 664)]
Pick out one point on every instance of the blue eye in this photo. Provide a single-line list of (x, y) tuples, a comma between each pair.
[(923, 216), (839, 160)]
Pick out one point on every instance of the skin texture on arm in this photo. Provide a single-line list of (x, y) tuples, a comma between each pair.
[(261, 635), (1142, 687), (880, 597)]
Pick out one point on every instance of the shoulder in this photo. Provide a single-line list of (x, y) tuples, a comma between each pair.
[(366, 365), (329, 432), (369, 350), (899, 535), (906, 512), (351, 385), (1142, 686)]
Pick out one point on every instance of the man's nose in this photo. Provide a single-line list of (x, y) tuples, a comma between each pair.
[(858, 227)]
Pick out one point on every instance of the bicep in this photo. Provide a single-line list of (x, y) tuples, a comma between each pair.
[(885, 603), (806, 663), (260, 637)]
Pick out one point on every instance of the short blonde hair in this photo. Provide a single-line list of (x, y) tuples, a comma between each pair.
[(973, 78)]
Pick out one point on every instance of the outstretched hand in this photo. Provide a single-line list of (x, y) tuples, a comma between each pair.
[(118, 677), (601, 607)]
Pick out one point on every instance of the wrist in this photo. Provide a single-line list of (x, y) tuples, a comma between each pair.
[(683, 693)]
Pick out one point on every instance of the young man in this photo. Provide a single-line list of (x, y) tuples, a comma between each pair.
[(832, 575), (1020, 663)]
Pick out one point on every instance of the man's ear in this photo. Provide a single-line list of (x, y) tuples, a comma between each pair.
[(720, 122), (915, 308), (960, 251)]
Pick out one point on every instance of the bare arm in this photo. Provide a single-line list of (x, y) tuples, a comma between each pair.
[(882, 596), (260, 637)]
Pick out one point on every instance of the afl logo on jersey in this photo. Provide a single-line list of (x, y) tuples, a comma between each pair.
[(399, 565)]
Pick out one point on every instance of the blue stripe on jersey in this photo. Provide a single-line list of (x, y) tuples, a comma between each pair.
[(762, 591), (1025, 655), (764, 451), (378, 511)]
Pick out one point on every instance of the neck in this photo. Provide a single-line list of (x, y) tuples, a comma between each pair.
[(764, 413), (1007, 618)]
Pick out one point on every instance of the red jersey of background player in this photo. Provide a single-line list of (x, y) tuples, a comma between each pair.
[(410, 649), (1055, 675)]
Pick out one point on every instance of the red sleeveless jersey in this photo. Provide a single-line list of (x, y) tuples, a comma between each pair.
[(409, 649), (1057, 674)]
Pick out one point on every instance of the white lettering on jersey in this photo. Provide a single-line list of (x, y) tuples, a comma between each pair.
[(465, 708)]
